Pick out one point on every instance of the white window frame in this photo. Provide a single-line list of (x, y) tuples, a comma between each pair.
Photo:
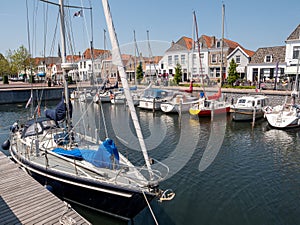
[(268, 58)]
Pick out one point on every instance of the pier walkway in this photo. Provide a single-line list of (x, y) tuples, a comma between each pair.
[(24, 201)]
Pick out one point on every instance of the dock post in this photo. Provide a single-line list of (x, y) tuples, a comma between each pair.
[(212, 110), (253, 116), (153, 105)]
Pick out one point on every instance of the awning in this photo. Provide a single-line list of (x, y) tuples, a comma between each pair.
[(291, 70)]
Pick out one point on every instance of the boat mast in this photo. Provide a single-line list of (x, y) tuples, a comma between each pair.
[(199, 53), (222, 45), (63, 62), (118, 60)]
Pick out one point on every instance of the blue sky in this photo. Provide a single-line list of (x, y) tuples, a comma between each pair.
[(253, 24)]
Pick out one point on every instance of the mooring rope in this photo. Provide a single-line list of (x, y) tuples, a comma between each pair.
[(155, 220)]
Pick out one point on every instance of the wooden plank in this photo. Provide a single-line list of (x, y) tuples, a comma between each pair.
[(24, 201)]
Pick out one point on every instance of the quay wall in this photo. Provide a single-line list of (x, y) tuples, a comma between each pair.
[(21, 95)]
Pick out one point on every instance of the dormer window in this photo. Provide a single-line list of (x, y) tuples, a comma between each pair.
[(218, 44), (268, 58)]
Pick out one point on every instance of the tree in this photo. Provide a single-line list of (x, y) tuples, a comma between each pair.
[(232, 74), (139, 72), (178, 74), (19, 60), (4, 66)]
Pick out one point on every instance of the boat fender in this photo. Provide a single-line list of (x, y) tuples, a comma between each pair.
[(13, 128), (49, 187), (6, 144), (111, 96)]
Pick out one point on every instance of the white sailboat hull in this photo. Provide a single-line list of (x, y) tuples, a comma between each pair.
[(282, 120)]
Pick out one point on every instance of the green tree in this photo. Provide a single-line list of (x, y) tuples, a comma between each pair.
[(139, 72), (4, 66), (232, 74), (178, 74), (19, 60)]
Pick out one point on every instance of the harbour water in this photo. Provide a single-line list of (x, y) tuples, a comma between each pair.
[(222, 172)]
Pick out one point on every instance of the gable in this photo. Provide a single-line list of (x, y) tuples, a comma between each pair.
[(295, 35)]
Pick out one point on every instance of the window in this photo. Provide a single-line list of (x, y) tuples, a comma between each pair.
[(201, 71), (176, 59), (218, 44), (170, 60), (194, 70), (182, 59), (213, 58), (211, 72), (194, 58), (217, 72), (296, 51), (268, 58), (238, 59)]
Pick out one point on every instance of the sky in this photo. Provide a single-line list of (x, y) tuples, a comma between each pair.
[(253, 24)]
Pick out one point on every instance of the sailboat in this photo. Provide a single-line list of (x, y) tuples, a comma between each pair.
[(286, 115), (82, 169), (210, 105)]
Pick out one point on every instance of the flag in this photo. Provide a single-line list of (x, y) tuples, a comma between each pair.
[(28, 102), (78, 13)]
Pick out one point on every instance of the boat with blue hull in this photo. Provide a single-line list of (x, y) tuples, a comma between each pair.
[(77, 166)]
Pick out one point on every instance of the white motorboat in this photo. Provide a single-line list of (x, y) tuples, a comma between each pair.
[(249, 107), (152, 98)]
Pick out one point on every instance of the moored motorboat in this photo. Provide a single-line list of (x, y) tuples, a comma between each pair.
[(249, 107), (152, 98)]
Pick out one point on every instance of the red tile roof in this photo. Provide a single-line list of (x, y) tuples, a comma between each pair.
[(96, 53)]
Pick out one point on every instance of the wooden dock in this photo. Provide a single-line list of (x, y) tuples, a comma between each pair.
[(24, 201)]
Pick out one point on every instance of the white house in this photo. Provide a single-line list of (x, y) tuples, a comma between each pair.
[(184, 52), (242, 58), (266, 64), (292, 52)]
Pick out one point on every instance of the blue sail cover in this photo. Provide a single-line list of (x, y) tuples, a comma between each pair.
[(106, 156)]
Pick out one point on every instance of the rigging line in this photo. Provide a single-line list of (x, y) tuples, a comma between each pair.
[(66, 6), (103, 118), (85, 23), (69, 34), (199, 53), (82, 115), (151, 56), (29, 46), (34, 28), (45, 28), (54, 36)]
